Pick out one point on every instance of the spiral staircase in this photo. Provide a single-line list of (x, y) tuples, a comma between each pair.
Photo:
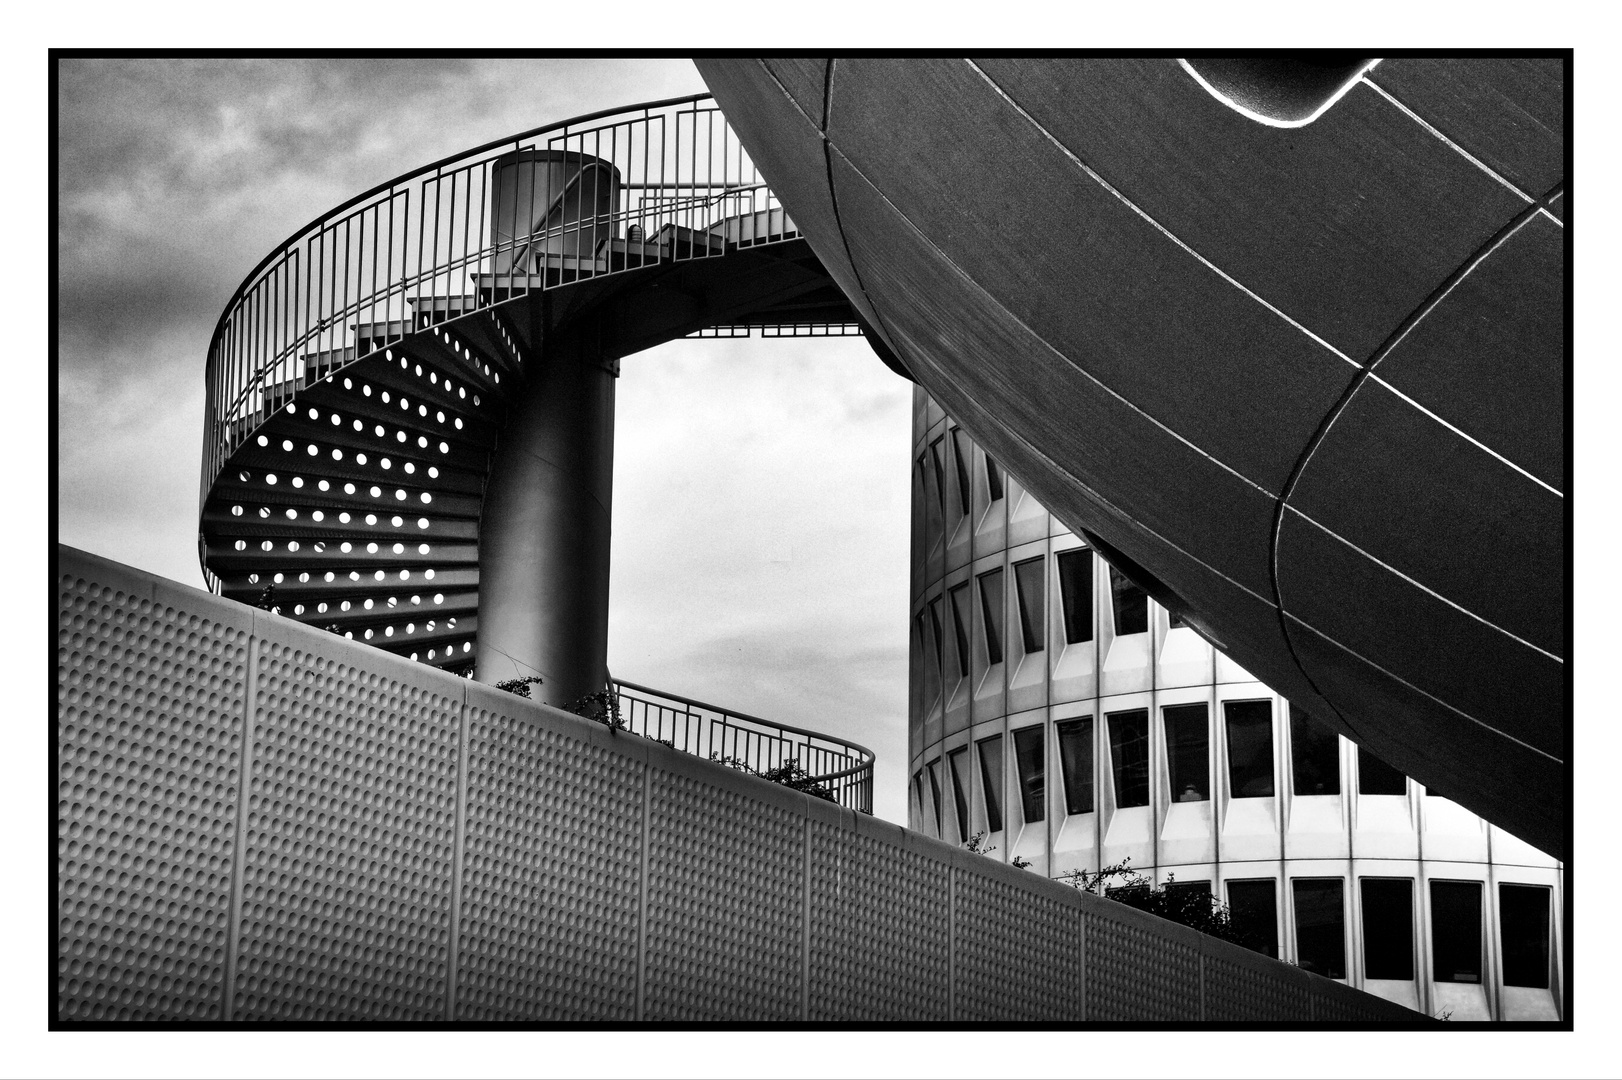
[(360, 378), (364, 376)]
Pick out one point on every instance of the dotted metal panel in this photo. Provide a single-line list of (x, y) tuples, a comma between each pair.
[(551, 865), (1342, 1003), (1135, 974), (878, 930), (725, 894), (346, 886), (149, 742), (1238, 992), (1017, 953)]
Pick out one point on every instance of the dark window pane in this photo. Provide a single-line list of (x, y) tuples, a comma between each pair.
[(1028, 758), (958, 760), (1375, 777), (937, 652), (938, 461), (1523, 928), (1135, 895), (1076, 758), (1076, 593), (930, 504), (918, 798), (1188, 752), (1315, 751), (1188, 901), (960, 459), (1250, 748), (960, 623), (1254, 906), (1129, 752), (991, 607), (1131, 605), (934, 771), (1028, 586), (1320, 926), (931, 655), (993, 479), (1456, 931), (991, 780), (1388, 928)]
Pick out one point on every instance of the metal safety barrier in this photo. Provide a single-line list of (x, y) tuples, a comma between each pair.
[(836, 770), (608, 192)]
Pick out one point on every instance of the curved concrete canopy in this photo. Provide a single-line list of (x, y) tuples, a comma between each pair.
[(1307, 380)]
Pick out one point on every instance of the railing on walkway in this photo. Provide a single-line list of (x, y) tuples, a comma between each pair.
[(598, 194), (842, 771)]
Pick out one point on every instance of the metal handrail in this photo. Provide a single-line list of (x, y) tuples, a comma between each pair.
[(354, 280), (842, 768)]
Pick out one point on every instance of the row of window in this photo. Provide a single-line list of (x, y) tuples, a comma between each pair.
[(1129, 607), (1457, 945), (932, 466), (1315, 762)]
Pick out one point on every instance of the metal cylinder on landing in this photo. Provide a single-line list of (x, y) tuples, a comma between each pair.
[(550, 203), (544, 536)]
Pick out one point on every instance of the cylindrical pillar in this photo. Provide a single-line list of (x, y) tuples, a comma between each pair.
[(544, 536)]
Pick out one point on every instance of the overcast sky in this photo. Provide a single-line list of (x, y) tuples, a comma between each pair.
[(760, 502)]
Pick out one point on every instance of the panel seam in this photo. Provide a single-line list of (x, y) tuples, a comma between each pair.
[(827, 160), (951, 943), (1136, 209), (1422, 588), (642, 902), (1049, 346), (1392, 675), (233, 939), (1335, 411), (1434, 130), (458, 862), (1091, 493), (805, 917)]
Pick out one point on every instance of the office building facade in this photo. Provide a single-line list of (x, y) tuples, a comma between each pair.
[(1070, 722)]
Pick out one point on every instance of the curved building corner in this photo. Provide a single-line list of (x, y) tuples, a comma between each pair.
[(1071, 722)]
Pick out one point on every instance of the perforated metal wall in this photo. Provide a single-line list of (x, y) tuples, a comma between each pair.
[(1135, 973), (149, 741), (351, 819), (1341, 1004), (1018, 953), (1235, 991), (725, 887), (549, 876), (417, 847), (878, 929)]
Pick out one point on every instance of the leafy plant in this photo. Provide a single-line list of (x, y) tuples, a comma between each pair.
[(518, 686), (789, 774), (603, 707), (1192, 908), (977, 845)]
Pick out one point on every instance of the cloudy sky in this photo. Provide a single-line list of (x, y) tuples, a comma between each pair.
[(760, 504)]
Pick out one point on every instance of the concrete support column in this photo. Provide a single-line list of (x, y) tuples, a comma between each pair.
[(544, 537)]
